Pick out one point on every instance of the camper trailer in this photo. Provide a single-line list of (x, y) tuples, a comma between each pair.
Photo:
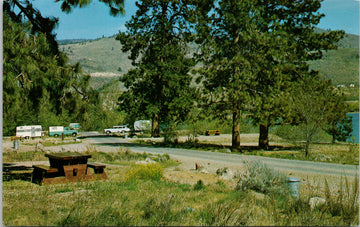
[(142, 125), (28, 131)]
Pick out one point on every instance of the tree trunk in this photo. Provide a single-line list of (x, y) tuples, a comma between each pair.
[(307, 141), (236, 131), (264, 137), (333, 138), (155, 130)]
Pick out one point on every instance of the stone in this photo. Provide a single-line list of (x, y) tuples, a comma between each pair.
[(315, 202), (225, 174)]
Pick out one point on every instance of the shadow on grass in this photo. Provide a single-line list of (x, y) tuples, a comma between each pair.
[(15, 172)]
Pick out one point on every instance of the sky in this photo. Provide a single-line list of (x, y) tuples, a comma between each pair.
[(95, 21)]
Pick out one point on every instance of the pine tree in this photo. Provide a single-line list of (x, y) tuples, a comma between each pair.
[(159, 85), (251, 49)]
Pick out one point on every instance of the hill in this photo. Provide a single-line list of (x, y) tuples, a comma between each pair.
[(103, 57), (98, 56)]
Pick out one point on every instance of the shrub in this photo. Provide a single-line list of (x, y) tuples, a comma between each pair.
[(346, 203), (151, 171), (199, 185), (258, 177)]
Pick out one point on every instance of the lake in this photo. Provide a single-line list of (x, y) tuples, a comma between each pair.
[(355, 123)]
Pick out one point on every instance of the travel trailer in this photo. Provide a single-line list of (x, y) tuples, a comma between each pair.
[(28, 131)]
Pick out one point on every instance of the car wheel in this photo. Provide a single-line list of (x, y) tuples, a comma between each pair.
[(56, 135), (108, 132), (74, 134)]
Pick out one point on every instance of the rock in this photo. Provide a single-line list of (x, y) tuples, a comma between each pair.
[(204, 171), (225, 174), (316, 202), (39, 147)]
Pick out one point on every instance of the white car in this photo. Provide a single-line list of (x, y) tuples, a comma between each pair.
[(117, 129)]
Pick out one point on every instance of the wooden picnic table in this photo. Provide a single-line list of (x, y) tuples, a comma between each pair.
[(68, 166)]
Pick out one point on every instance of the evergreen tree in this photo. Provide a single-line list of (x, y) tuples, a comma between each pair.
[(159, 85), (36, 78), (251, 49)]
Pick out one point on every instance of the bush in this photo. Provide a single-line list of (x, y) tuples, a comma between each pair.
[(345, 204), (151, 171), (258, 177), (199, 185)]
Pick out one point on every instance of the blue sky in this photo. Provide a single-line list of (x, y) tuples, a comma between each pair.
[(95, 21)]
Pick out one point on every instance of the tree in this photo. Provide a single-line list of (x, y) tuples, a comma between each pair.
[(315, 101), (39, 86), (340, 130), (159, 85), (250, 49)]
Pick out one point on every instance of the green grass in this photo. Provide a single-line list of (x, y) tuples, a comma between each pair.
[(331, 153), (154, 202)]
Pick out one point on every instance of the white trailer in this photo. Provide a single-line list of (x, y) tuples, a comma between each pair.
[(142, 125), (28, 131)]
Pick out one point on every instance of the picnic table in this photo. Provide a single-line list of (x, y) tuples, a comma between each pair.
[(68, 167)]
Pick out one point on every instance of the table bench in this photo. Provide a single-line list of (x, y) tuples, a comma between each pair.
[(209, 132), (41, 171), (98, 167), (67, 167)]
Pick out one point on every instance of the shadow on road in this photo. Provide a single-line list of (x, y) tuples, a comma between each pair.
[(199, 146)]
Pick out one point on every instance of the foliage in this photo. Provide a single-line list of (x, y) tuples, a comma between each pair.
[(116, 202), (151, 171), (39, 86), (258, 177), (158, 86), (316, 104), (199, 185), (250, 49), (344, 204), (341, 129)]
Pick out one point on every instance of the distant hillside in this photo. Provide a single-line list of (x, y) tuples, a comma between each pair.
[(105, 56), (101, 55)]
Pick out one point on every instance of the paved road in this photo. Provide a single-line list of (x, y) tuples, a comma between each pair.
[(228, 159)]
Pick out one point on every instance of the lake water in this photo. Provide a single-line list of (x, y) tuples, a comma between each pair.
[(355, 123)]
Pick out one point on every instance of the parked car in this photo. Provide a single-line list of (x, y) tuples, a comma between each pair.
[(59, 130), (117, 129)]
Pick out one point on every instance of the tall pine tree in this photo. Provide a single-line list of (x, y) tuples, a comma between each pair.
[(159, 85)]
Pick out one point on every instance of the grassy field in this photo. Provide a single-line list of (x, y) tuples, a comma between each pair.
[(146, 195)]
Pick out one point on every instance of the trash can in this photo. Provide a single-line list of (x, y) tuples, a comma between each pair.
[(16, 144), (293, 184)]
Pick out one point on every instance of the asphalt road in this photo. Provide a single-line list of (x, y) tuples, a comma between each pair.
[(228, 159)]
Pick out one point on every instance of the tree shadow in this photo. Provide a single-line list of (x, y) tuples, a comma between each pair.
[(13, 171)]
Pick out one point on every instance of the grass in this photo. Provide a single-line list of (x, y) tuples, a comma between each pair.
[(155, 202), (333, 153)]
